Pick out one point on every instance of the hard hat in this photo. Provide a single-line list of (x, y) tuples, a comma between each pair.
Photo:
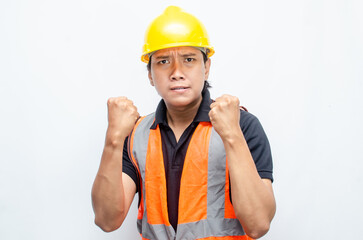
[(175, 28)]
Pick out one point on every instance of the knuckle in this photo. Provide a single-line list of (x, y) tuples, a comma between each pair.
[(121, 99), (123, 105), (118, 101), (133, 111), (223, 103), (226, 96), (110, 101)]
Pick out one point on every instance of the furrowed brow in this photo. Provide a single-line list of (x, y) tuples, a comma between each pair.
[(162, 57), (189, 55)]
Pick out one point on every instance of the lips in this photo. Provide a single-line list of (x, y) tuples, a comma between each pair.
[(179, 88)]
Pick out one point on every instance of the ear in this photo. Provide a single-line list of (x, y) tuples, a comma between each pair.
[(150, 78), (207, 67)]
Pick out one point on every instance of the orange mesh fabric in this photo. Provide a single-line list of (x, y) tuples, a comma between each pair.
[(194, 180), (155, 183)]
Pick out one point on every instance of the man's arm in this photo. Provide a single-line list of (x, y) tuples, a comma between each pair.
[(113, 190), (253, 198)]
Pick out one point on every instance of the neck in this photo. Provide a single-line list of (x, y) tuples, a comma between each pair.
[(182, 117)]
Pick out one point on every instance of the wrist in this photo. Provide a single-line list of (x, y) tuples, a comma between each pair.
[(233, 138), (115, 138)]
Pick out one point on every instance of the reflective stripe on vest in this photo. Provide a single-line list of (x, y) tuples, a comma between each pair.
[(205, 210)]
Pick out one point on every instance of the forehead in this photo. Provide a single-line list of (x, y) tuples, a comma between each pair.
[(177, 51)]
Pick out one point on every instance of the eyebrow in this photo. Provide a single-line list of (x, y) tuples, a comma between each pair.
[(189, 55), (183, 55), (162, 57)]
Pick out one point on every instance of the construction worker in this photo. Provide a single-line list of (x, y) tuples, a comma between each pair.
[(202, 168)]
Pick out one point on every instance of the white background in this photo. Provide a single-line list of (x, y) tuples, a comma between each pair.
[(296, 65)]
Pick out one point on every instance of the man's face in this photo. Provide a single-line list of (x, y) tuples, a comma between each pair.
[(178, 75)]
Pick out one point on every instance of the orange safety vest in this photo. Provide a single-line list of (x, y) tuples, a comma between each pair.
[(205, 209)]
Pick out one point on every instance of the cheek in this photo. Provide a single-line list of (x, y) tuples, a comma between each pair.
[(158, 85), (196, 73), (200, 76)]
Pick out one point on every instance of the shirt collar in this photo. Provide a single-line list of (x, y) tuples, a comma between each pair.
[(202, 114)]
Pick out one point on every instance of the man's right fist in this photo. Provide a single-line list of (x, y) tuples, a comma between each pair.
[(122, 115)]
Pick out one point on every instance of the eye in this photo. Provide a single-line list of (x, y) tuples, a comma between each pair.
[(189, 59), (164, 61)]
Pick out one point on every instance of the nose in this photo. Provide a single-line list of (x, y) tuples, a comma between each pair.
[(177, 72)]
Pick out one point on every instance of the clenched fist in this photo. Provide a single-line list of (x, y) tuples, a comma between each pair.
[(122, 116), (225, 116)]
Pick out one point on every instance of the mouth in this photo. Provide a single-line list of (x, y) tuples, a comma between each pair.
[(179, 88)]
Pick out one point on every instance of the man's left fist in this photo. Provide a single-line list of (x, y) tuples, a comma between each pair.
[(224, 116)]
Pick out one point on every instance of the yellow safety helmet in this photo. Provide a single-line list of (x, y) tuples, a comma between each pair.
[(175, 28)]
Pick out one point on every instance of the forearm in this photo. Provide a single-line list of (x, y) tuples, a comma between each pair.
[(108, 195), (253, 199)]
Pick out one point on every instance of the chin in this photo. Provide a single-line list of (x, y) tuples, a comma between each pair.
[(180, 102)]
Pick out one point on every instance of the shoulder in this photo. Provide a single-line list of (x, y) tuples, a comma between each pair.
[(254, 134), (146, 121), (249, 122), (148, 116)]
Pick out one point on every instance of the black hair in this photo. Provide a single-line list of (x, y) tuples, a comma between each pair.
[(205, 59)]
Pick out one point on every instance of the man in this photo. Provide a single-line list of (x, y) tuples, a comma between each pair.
[(202, 168)]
